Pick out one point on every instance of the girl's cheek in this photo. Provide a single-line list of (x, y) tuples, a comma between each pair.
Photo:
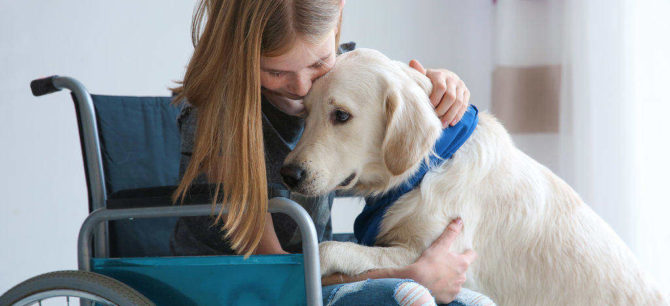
[(323, 71), (271, 83)]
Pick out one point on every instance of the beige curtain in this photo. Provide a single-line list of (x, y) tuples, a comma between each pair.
[(581, 86)]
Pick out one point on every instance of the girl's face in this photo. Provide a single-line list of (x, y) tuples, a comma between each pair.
[(287, 78)]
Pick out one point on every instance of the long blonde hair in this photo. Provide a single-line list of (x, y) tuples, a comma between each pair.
[(223, 81)]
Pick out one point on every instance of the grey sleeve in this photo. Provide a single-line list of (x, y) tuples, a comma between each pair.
[(346, 47), (187, 121)]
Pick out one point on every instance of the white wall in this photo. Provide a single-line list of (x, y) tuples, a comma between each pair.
[(450, 34), (114, 47), (138, 48)]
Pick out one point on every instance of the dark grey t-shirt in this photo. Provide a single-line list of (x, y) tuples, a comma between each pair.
[(196, 236)]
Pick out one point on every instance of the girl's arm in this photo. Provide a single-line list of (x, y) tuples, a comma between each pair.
[(269, 242)]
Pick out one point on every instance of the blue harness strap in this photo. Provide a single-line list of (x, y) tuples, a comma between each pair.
[(366, 226)]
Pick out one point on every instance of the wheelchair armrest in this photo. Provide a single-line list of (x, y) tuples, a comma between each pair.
[(281, 205)]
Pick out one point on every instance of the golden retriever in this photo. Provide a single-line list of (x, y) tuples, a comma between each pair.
[(370, 125)]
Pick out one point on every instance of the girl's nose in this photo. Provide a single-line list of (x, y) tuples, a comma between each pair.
[(302, 85)]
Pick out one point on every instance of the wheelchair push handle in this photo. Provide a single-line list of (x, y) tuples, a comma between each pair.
[(43, 86)]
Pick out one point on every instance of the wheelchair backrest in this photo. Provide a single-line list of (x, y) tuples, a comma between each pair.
[(139, 141), (140, 150)]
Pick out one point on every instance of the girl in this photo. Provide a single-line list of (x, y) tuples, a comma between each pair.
[(254, 61)]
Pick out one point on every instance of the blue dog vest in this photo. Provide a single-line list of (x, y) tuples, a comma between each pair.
[(366, 226)]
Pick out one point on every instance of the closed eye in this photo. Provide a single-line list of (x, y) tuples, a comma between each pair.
[(318, 64), (321, 62)]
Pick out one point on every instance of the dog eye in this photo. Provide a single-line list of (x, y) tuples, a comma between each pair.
[(341, 116)]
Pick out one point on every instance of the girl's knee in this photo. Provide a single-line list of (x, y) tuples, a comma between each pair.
[(410, 293)]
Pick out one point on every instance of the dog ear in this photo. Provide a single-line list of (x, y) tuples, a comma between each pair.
[(411, 128)]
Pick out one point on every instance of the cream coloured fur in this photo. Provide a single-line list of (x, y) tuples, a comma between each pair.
[(538, 243)]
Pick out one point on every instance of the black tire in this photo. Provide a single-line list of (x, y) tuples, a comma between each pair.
[(79, 281)]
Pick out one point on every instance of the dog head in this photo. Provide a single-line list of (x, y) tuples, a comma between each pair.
[(369, 125)]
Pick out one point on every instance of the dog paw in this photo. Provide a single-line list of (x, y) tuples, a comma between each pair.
[(342, 257), (328, 258)]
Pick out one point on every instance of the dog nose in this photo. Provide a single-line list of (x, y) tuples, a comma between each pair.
[(292, 175)]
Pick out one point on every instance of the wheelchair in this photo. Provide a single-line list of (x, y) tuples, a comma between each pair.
[(131, 151)]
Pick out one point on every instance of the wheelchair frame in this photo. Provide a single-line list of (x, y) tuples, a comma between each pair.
[(94, 226)]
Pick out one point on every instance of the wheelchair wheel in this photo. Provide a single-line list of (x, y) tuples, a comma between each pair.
[(72, 288)]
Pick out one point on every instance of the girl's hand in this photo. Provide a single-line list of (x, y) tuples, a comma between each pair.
[(450, 96), (440, 270)]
